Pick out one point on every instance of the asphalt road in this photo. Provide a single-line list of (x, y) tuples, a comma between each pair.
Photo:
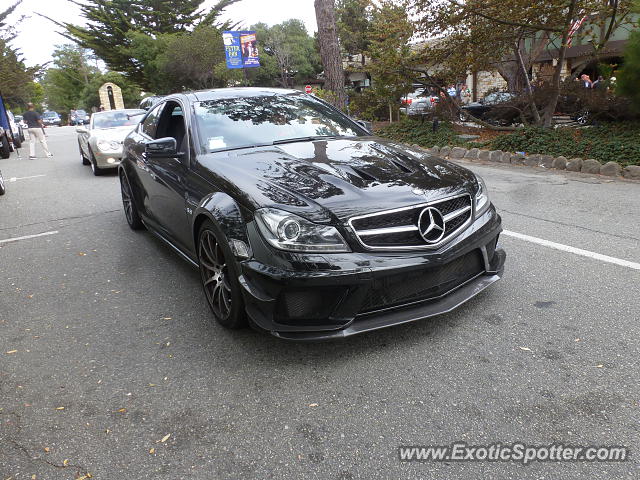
[(110, 365)]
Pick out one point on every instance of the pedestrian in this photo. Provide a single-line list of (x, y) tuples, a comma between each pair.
[(599, 83), (36, 131), (586, 80)]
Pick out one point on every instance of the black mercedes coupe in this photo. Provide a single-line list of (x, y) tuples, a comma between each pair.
[(301, 222)]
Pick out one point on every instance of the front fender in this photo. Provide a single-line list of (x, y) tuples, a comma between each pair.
[(224, 212)]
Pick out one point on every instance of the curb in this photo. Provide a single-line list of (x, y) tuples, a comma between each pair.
[(588, 166)]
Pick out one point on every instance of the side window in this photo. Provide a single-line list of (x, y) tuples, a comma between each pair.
[(150, 123)]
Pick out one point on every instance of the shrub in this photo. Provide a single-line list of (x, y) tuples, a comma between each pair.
[(616, 142), (414, 131)]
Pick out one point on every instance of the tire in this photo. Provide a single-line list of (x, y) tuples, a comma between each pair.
[(219, 277), (85, 160), (97, 171), (5, 148), (130, 210), (2, 188), (17, 142), (463, 117)]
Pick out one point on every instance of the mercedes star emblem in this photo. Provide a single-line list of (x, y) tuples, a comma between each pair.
[(431, 225)]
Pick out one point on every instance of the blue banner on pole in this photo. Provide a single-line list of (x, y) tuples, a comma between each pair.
[(241, 49)]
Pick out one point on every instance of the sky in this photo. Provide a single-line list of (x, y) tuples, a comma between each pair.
[(38, 37)]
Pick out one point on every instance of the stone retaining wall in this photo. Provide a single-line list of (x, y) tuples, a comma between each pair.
[(610, 169)]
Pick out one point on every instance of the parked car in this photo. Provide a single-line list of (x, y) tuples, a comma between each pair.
[(299, 220), (2, 187), (20, 121), (101, 143), (78, 117), (51, 118), (149, 102), (493, 108), (419, 102), (17, 133)]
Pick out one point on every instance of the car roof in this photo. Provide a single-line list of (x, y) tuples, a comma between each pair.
[(237, 92)]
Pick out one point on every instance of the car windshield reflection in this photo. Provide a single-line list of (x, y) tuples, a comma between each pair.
[(265, 120), (120, 118)]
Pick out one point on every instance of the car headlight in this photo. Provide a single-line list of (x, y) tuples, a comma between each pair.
[(287, 231), (108, 145), (481, 198)]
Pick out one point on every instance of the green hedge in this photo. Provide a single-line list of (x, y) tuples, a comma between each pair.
[(413, 131), (618, 142)]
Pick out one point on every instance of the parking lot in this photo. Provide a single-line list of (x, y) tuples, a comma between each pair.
[(110, 365)]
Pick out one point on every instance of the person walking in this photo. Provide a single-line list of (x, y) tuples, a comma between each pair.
[(35, 128)]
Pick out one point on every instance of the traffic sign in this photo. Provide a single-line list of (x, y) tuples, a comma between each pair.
[(308, 89)]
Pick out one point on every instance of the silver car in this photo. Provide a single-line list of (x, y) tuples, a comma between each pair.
[(100, 142)]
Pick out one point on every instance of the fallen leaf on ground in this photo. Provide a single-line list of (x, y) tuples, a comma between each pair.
[(82, 254), (152, 451), (313, 404), (599, 366), (11, 351), (122, 410), (526, 349), (59, 408), (165, 438), (47, 449), (65, 462)]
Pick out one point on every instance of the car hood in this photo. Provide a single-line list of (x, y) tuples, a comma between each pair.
[(333, 179)]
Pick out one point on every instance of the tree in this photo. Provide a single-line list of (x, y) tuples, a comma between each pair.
[(481, 34), (16, 79), (64, 82), (389, 34), (288, 54), (353, 18), (112, 24), (629, 77), (72, 82), (330, 52)]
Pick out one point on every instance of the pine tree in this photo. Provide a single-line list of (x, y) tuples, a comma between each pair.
[(111, 23)]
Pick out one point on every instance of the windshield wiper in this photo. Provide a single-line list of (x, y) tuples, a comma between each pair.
[(303, 139)]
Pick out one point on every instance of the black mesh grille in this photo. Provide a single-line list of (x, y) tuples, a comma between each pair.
[(420, 285), (408, 218)]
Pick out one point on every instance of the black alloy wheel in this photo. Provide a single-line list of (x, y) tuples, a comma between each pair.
[(5, 148), (130, 210), (97, 171), (219, 278)]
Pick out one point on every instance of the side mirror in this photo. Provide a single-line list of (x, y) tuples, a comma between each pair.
[(162, 148), (81, 130), (368, 126)]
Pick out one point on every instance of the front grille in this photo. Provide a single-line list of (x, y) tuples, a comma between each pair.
[(398, 229), (421, 285)]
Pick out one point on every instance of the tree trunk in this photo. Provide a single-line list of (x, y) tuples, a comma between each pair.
[(330, 51), (555, 82)]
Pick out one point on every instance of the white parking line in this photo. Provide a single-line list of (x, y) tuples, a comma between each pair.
[(14, 179), (577, 251), (15, 239)]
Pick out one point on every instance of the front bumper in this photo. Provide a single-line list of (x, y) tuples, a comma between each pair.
[(107, 159), (321, 297)]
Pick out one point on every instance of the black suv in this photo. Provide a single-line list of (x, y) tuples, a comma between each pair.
[(302, 222)]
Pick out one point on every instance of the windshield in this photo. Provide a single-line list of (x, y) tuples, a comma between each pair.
[(81, 113), (242, 122), (49, 114), (117, 118)]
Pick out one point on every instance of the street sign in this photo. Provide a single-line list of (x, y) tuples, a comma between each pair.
[(241, 49), (308, 89)]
